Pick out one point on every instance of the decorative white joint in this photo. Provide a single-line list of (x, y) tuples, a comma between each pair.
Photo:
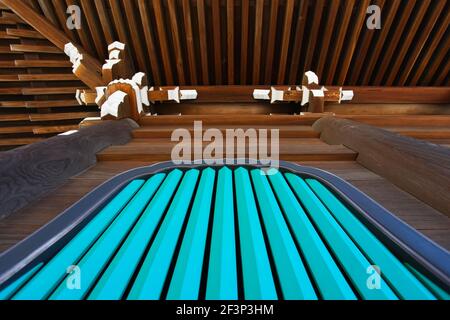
[(111, 106), (260, 94)]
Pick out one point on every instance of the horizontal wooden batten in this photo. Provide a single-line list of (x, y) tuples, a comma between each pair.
[(34, 48), (24, 33), (39, 104), (38, 77), (61, 116), (241, 94), (42, 64)]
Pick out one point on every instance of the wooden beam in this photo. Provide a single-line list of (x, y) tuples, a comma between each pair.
[(362, 95), (315, 27), (298, 42), (151, 48), (162, 38), (271, 41), (217, 41), (257, 41), (244, 40), (419, 168), (189, 41), (171, 4), (94, 28), (105, 21), (230, 41), (285, 40)]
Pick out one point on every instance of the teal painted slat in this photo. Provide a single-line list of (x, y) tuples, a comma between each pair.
[(46, 280), (94, 261), (222, 272), (185, 282), (294, 279), (257, 274), (396, 274), (348, 254), (437, 290), (327, 276), (9, 290), (115, 279), (150, 280)]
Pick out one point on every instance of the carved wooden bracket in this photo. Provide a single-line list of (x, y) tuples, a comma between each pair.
[(309, 93)]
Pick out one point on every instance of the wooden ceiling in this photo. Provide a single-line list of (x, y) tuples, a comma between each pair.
[(207, 42)]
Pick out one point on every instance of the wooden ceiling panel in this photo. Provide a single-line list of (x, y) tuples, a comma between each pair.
[(202, 42)]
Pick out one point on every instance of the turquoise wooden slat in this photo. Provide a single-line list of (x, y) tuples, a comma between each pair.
[(328, 278), (185, 282), (294, 280), (437, 290), (347, 253), (8, 291), (257, 274), (115, 279), (150, 280), (396, 274), (44, 282), (222, 272), (104, 248)]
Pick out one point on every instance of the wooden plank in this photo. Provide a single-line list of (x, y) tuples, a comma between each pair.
[(16, 129), (271, 41), (387, 25), (203, 44), (162, 38), (42, 63), (298, 41), (134, 32), (94, 28), (50, 90), (189, 41), (18, 141), (394, 41), (328, 33), (176, 41), (339, 42), (151, 49), (14, 117), (257, 41), (400, 120), (84, 37), (244, 40), (61, 116), (421, 66), (230, 41), (353, 40), (5, 35), (51, 103), (405, 44), (285, 41), (217, 41), (48, 11), (54, 129), (105, 21), (60, 12), (34, 48), (47, 77), (315, 26)]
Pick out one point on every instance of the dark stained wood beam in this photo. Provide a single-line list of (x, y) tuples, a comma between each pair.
[(420, 168), (271, 41), (287, 25), (298, 42), (244, 40), (189, 40), (230, 41), (259, 11), (217, 41)]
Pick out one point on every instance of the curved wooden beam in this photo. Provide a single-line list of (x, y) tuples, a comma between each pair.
[(29, 172), (418, 167)]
